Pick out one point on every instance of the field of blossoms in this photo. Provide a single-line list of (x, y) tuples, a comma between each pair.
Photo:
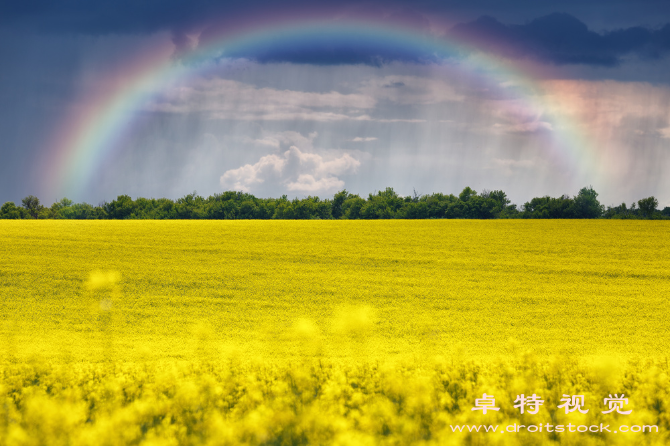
[(330, 332)]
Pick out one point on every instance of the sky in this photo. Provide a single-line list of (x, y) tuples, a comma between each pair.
[(298, 98)]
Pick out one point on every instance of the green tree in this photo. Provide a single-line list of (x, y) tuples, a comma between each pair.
[(303, 209), (248, 210), (499, 197), (481, 208), (10, 211), (438, 204), (190, 207), (59, 206), (32, 204), (284, 210), (338, 201), (510, 211), (384, 204), (414, 210), (648, 206), (457, 209), (586, 204), (548, 207), (351, 208), (120, 208), (466, 194), (266, 209), (79, 211)]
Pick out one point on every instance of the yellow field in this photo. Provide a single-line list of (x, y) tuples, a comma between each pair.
[(278, 332)]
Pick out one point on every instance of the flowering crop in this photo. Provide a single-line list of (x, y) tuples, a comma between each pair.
[(342, 332)]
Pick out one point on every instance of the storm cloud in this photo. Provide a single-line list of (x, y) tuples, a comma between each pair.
[(563, 39)]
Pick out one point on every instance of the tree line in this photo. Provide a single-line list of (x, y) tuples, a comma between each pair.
[(384, 204)]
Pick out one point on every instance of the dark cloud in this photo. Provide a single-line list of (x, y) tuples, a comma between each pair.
[(145, 16), (333, 49), (124, 16), (562, 39), (555, 38)]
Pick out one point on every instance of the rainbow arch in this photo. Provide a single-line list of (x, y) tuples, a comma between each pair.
[(90, 137)]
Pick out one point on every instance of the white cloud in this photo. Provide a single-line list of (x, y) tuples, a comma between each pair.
[(295, 169), (307, 183), (228, 99), (286, 138), (243, 178), (264, 142), (361, 139)]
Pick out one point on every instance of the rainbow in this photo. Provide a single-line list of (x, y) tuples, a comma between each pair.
[(92, 133)]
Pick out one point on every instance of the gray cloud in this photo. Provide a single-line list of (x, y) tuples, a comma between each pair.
[(563, 39), (227, 99)]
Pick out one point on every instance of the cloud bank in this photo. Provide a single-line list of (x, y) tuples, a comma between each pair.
[(294, 170), (228, 99), (557, 38), (563, 39)]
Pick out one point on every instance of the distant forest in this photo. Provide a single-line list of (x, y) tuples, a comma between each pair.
[(344, 205)]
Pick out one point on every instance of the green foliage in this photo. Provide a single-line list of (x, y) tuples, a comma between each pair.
[(59, 206), (648, 206), (498, 196), (587, 204), (466, 194), (32, 204), (510, 211), (338, 201), (352, 206), (120, 208), (647, 210), (384, 204), (190, 207), (584, 205), (618, 212), (10, 211), (82, 211)]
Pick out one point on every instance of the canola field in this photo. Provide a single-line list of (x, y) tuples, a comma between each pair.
[(330, 332)]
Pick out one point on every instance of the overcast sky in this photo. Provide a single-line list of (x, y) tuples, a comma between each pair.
[(540, 98)]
